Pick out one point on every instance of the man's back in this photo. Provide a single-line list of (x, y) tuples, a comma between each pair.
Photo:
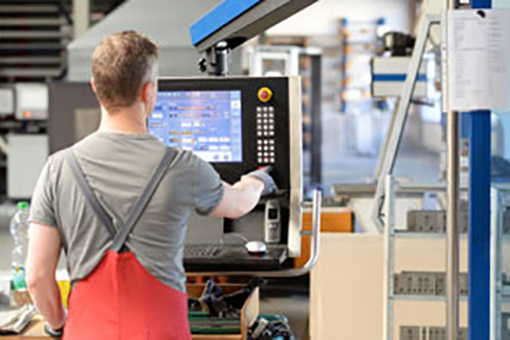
[(118, 167), (84, 197)]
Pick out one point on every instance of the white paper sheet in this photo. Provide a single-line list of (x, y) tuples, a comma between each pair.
[(478, 60), (14, 321)]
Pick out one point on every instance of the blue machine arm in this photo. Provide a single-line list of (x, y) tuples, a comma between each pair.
[(218, 18), (235, 21)]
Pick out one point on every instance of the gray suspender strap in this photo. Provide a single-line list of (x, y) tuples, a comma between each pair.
[(143, 200), (89, 194)]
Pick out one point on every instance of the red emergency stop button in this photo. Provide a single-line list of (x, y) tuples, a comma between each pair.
[(265, 94)]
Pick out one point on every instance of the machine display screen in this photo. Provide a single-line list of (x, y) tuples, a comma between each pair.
[(206, 122)]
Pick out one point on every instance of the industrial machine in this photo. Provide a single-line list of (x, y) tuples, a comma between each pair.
[(260, 126), (239, 124)]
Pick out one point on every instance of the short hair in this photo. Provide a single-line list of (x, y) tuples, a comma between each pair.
[(121, 64)]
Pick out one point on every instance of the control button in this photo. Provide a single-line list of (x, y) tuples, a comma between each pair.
[(271, 121), (271, 133), (260, 141), (271, 160), (265, 94), (270, 141), (271, 147), (271, 127), (259, 133), (271, 109), (259, 108)]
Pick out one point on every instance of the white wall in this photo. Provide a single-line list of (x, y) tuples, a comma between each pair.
[(322, 17)]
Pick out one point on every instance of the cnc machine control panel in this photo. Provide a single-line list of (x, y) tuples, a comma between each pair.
[(239, 124)]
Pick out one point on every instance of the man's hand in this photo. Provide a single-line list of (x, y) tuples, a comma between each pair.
[(54, 333), (240, 198), (263, 176), (42, 260)]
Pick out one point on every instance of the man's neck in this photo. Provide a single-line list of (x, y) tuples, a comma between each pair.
[(126, 120)]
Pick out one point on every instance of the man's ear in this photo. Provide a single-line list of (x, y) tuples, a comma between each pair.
[(93, 85), (145, 94)]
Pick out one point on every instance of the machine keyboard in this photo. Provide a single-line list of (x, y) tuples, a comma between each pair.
[(202, 251), (215, 257)]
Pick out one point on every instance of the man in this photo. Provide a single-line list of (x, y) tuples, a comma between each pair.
[(118, 203)]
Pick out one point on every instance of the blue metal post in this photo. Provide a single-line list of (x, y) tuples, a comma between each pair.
[(479, 212)]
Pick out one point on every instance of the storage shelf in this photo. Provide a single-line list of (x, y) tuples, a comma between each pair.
[(505, 291), (416, 235), (424, 298)]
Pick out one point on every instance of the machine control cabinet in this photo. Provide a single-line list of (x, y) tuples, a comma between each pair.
[(240, 124)]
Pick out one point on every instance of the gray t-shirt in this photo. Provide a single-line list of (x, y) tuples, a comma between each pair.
[(117, 167)]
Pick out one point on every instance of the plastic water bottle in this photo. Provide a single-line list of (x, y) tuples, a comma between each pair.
[(19, 232)]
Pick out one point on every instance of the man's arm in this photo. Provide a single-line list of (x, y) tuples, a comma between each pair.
[(242, 197), (239, 199), (42, 261)]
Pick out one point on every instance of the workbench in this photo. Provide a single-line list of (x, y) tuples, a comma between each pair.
[(250, 311), (35, 331)]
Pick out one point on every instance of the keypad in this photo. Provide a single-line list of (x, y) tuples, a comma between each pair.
[(266, 150)]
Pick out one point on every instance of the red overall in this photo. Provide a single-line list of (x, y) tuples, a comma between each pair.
[(120, 299)]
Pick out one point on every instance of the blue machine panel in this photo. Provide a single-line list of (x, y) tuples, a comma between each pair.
[(219, 17), (396, 77)]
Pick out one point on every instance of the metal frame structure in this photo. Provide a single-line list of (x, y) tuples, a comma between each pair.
[(397, 124), (452, 196), (392, 190)]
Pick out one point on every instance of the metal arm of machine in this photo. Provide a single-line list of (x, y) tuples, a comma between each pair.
[(232, 23), (292, 272)]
